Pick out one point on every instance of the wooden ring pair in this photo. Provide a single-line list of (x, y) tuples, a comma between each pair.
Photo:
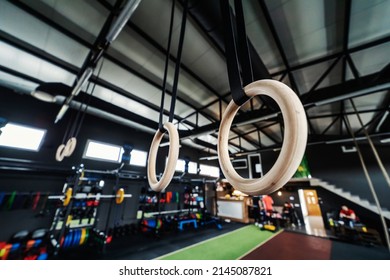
[(66, 150)]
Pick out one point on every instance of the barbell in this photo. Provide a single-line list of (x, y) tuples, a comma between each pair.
[(68, 196)]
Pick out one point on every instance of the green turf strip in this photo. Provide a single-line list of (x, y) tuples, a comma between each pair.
[(229, 246)]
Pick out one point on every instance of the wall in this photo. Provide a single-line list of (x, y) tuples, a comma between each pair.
[(344, 170), (48, 176)]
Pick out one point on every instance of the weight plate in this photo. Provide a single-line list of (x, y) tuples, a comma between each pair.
[(120, 196)]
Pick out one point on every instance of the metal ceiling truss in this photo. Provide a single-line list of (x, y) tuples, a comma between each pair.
[(360, 85)]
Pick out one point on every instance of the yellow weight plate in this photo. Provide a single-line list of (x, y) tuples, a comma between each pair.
[(120, 196), (68, 196), (83, 235)]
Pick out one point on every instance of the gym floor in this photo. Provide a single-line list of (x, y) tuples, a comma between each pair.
[(291, 244)]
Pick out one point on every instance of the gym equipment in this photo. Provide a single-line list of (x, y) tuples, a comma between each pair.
[(2, 195), (295, 128), (108, 33), (75, 238), (119, 197), (168, 126), (181, 223), (153, 224), (11, 200)]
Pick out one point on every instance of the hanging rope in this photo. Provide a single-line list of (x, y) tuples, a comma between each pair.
[(243, 89), (370, 184), (74, 125), (378, 159), (173, 153)]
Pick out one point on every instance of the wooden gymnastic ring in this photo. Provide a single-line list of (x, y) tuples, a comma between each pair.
[(68, 196), (294, 144), (172, 158), (70, 146), (60, 154), (120, 196)]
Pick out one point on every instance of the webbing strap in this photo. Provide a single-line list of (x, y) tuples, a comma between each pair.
[(232, 59), (160, 121), (178, 61)]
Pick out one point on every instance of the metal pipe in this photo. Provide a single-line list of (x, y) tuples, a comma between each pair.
[(122, 19)]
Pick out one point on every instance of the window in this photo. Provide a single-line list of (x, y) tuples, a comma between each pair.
[(192, 166), (21, 137), (208, 170), (113, 153), (138, 158), (102, 151)]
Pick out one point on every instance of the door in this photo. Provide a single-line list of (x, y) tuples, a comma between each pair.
[(311, 199)]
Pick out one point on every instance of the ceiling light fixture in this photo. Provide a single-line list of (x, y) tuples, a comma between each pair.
[(43, 96), (386, 140)]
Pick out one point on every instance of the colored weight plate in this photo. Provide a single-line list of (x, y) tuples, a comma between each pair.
[(78, 237), (15, 247), (69, 239), (82, 236), (11, 200), (71, 233), (72, 236), (43, 256), (68, 196), (120, 196), (75, 241), (2, 195), (86, 235), (66, 241), (30, 244), (37, 242)]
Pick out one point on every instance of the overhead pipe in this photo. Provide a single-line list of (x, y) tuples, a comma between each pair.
[(93, 57)]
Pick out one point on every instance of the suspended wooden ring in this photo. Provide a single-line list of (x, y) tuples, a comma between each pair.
[(60, 154), (70, 146), (294, 144), (66, 150), (120, 196), (173, 155), (68, 196)]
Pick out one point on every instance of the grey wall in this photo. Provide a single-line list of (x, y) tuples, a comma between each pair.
[(344, 170)]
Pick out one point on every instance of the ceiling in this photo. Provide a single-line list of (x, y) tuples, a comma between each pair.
[(329, 52)]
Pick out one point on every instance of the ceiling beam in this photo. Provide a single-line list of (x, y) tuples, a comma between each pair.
[(24, 46), (353, 88), (358, 48), (365, 85), (278, 43)]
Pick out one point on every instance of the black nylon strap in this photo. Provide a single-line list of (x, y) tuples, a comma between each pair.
[(178, 60), (177, 65), (160, 121), (243, 49), (233, 65)]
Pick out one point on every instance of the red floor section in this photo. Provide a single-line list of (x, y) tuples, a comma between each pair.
[(292, 246)]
